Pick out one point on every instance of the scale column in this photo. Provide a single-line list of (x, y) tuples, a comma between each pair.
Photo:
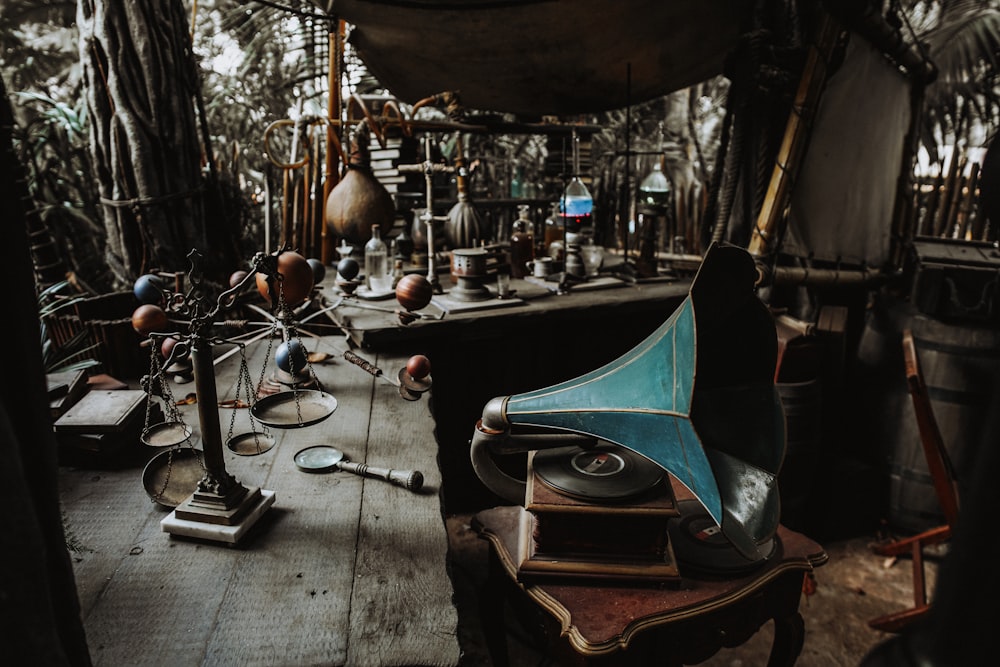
[(221, 508), (218, 487)]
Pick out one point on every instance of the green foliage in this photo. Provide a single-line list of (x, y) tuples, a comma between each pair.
[(52, 145), (70, 355), (962, 39), (38, 45), (39, 60)]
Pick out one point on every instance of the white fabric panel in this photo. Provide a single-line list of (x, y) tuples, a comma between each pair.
[(842, 202)]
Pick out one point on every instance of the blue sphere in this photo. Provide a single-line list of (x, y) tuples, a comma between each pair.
[(291, 357), (318, 269), (148, 288), (348, 268)]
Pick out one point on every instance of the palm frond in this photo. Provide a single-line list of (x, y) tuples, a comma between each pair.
[(967, 40)]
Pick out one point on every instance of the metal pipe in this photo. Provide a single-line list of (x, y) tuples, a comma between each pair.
[(805, 276)]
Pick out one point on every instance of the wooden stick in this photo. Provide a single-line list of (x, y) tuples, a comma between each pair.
[(968, 204)]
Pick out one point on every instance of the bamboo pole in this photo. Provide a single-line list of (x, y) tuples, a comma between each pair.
[(927, 222), (947, 193), (334, 110), (793, 144), (968, 202), (948, 228)]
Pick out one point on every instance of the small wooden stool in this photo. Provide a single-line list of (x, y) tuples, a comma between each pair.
[(593, 624)]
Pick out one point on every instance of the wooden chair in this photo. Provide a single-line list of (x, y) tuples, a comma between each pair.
[(943, 477)]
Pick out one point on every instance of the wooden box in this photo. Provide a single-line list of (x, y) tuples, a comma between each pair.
[(956, 280)]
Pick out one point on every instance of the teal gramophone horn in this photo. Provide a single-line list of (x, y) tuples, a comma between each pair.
[(697, 397)]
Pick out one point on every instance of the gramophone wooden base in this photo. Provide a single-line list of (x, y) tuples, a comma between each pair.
[(564, 537), (593, 565)]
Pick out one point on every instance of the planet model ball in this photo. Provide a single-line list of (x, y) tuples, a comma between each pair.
[(148, 318), (418, 366), (236, 277), (318, 269), (167, 346), (296, 282), (148, 288), (291, 357), (348, 268), (414, 291)]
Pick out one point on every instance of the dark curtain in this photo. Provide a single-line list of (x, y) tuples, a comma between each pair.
[(39, 608)]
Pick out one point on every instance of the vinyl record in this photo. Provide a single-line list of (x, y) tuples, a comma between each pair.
[(699, 544), (603, 472)]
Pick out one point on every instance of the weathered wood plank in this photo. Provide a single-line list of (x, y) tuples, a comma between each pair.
[(398, 611), (289, 598)]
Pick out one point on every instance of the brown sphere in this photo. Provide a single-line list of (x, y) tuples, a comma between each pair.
[(148, 318), (418, 366), (296, 282), (414, 291)]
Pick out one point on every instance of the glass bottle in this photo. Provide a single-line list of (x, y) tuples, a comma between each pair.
[(522, 243), (553, 227), (576, 204), (397, 272), (377, 277), (516, 186), (655, 188)]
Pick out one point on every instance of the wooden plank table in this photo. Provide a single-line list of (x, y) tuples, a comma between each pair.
[(341, 570), (533, 300)]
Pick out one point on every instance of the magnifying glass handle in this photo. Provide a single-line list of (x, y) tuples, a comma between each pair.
[(411, 480)]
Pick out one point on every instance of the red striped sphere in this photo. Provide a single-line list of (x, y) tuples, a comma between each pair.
[(414, 291)]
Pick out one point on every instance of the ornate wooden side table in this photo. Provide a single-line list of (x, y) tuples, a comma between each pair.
[(602, 624)]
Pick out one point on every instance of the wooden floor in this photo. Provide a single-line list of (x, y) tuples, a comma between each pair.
[(341, 570)]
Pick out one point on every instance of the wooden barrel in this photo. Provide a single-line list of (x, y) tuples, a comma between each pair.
[(961, 367), (878, 393), (803, 404)]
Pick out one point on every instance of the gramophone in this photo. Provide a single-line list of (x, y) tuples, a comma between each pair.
[(696, 399)]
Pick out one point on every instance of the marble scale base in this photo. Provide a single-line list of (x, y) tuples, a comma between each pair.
[(229, 534)]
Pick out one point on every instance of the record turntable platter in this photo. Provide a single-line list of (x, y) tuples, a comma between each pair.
[(604, 472)]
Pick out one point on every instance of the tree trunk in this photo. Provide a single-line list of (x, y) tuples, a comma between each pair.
[(140, 80)]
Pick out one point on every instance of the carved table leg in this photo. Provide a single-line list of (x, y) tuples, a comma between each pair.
[(789, 636), (491, 610)]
